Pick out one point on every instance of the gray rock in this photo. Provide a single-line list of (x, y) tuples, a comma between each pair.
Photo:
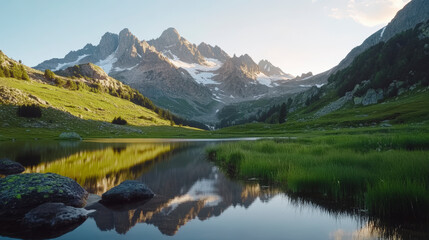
[(54, 215), (8, 167), (70, 136), (20, 193), (372, 97), (127, 191), (335, 105)]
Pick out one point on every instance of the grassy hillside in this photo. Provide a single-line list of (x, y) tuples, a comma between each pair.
[(81, 111), (86, 104)]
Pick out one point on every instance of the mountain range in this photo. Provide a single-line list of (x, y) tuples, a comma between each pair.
[(189, 80), (199, 82)]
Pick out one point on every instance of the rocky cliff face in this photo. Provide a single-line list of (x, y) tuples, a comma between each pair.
[(238, 77), (172, 45)]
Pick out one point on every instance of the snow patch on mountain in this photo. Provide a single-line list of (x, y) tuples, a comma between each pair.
[(202, 74), (118, 69), (309, 86), (66, 65), (382, 32), (269, 80), (107, 63)]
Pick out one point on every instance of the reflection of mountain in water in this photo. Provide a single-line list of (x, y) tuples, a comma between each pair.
[(99, 170), (187, 187)]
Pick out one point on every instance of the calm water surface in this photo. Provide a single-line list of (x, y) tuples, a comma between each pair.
[(194, 200)]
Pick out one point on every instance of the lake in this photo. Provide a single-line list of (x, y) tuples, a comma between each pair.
[(194, 199)]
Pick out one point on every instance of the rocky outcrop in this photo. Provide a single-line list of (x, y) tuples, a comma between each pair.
[(215, 52), (372, 97), (126, 192), (20, 193), (51, 216), (8, 167), (15, 96)]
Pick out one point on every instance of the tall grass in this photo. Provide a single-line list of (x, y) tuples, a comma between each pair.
[(386, 174)]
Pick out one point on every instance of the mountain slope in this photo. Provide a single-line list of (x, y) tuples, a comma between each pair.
[(85, 99)]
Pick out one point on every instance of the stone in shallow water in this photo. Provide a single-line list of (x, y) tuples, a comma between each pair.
[(8, 167), (127, 191), (54, 215), (23, 192)]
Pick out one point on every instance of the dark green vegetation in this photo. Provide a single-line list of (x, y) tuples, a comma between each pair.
[(29, 111), (387, 174), (405, 57), (119, 121)]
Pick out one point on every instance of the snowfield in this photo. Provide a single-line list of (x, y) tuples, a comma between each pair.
[(66, 65), (107, 63), (202, 74)]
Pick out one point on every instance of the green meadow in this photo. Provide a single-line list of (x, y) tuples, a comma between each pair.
[(385, 174)]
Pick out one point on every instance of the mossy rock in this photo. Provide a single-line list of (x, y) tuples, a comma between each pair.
[(23, 192)]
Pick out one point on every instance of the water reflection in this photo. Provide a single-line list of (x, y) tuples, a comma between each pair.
[(189, 189), (99, 170)]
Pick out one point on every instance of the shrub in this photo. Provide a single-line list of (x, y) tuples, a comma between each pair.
[(72, 85), (59, 82), (119, 121), (49, 74), (29, 111)]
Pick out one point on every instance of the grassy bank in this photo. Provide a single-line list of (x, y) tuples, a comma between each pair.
[(387, 174)]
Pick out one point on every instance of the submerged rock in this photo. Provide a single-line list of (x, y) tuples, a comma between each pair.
[(53, 216), (70, 136), (23, 192), (8, 167), (127, 191)]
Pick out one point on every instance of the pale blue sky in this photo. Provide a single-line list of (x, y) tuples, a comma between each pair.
[(298, 36)]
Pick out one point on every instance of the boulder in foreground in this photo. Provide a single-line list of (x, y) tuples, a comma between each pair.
[(8, 167), (126, 192), (23, 192)]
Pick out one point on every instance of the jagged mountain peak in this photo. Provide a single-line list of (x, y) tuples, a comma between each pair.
[(215, 52), (267, 68), (173, 46), (245, 61), (108, 44)]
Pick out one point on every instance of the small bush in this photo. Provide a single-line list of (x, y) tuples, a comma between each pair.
[(29, 111), (49, 74), (72, 85), (59, 82), (119, 121)]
